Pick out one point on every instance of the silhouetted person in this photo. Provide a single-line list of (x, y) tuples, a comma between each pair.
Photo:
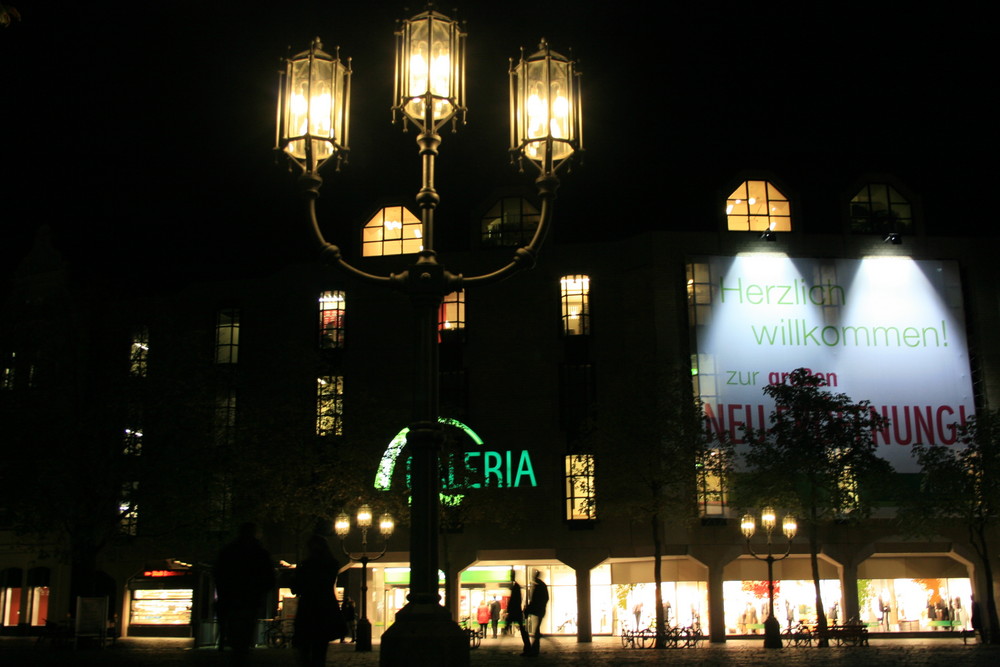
[(515, 614), (244, 575), (350, 618), (494, 615), (535, 611), (977, 621), (318, 619)]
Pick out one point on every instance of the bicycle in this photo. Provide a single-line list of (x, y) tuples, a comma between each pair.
[(476, 635)]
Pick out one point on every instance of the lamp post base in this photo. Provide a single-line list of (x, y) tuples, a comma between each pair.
[(363, 635), (424, 634), (772, 633)]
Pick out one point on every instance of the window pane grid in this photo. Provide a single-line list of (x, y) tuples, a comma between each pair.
[(227, 336), (575, 305), (758, 206), (512, 221), (332, 307), (394, 230), (330, 405), (139, 352), (580, 501), (451, 314)]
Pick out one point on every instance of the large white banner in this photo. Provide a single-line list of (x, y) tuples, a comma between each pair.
[(886, 329)]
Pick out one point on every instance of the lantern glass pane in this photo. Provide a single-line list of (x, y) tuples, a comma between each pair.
[(430, 68), (547, 108), (315, 90)]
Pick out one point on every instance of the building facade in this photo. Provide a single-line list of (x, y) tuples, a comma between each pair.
[(282, 398)]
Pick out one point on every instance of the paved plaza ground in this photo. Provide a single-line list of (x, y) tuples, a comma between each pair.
[(604, 651)]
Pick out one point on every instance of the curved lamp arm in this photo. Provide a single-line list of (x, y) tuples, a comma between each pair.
[(328, 252), (525, 257)]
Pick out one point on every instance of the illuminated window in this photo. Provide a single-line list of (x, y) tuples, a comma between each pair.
[(878, 208), (758, 206), (331, 319), (225, 417), (139, 352), (451, 314), (132, 441), (330, 405), (392, 231), (700, 293), (128, 509), (511, 222), (704, 378), (711, 480), (575, 305), (580, 502), (847, 491), (227, 336), (7, 378)]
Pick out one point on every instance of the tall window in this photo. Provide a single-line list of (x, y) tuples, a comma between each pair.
[(575, 305), (580, 502), (128, 509), (139, 352), (451, 314), (227, 336), (711, 480), (7, 377), (878, 208), (330, 405), (512, 221), (225, 416), (331, 319), (392, 231), (758, 206), (132, 440)]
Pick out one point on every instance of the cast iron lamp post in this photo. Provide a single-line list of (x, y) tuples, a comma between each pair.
[(768, 519), (342, 526), (546, 133)]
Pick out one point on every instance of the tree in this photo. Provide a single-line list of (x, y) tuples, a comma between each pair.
[(817, 458), (962, 484), (665, 432)]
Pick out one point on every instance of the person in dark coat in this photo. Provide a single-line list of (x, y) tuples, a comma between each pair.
[(515, 614), (494, 615), (318, 619), (244, 575), (536, 612), (350, 618)]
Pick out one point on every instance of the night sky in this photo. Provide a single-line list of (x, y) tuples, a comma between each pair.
[(142, 133)]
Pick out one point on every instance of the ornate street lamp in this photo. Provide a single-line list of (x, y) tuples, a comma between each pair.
[(768, 519), (342, 526), (429, 91)]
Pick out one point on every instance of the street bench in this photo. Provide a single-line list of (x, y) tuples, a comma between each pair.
[(956, 628), (849, 634)]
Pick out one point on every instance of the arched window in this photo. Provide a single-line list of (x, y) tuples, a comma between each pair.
[(512, 221), (878, 208), (758, 206), (394, 230)]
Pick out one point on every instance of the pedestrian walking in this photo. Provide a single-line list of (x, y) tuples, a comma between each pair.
[(318, 619), (244, 575), (494, 615), (535, 611)]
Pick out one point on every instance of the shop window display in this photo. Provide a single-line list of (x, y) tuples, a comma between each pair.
[(794, 601), (685, 604), (915, 605)]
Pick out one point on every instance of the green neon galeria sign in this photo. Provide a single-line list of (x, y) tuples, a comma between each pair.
[(473, 469)]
